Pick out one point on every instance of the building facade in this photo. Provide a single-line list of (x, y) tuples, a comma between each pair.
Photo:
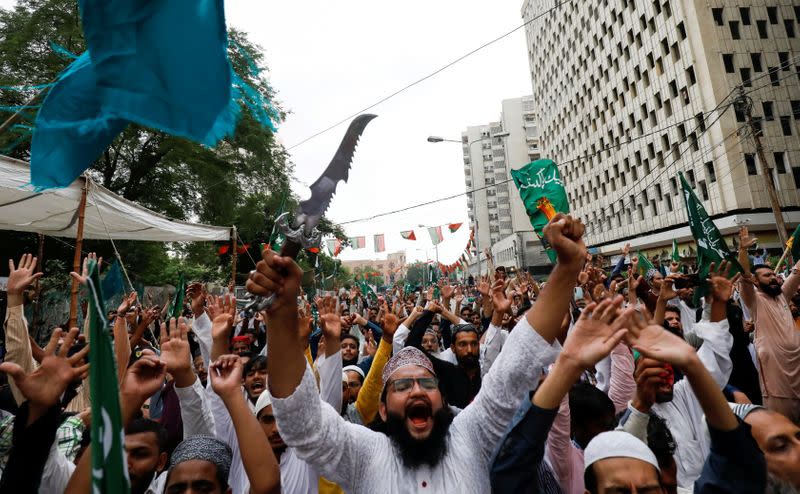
[(628, 94), (496, 212), (392, 268)]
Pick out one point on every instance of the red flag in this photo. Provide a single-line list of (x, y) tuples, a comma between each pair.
[(408, 235), (314, 250), (454, 227), (241, 249), (223, 249)]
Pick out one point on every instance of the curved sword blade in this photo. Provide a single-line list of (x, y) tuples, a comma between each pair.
[(324, 188)]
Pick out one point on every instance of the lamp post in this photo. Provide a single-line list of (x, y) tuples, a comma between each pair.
[(437, 139)]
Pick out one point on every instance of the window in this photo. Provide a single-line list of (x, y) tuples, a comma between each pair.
[(681, 31), (744, 12), (796, 176), (773, 76), (769, 115), (690, 76), (717, 13), (762, 29), (668, 200), (701, 122), (710, 173), (703, 190), (786, 126), (772, 13), (783, 59), (780, 163), (734, 26), (789, 25), (750, 163), (756, 59), (673, 185), (690, 176), (745, 73), (796, 109)]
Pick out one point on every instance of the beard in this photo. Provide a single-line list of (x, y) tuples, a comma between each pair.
[(468, 361), (771, 289), (417, 452), (779, 486)]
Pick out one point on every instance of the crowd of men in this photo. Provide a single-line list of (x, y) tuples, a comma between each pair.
[(601, 379)]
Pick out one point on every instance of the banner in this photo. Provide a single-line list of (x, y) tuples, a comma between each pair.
[(542, 191), (793, 244), (436, 234), (176, 308), (711, 246), (112, 282), (109, 467), (644, 263), (408, 235), (676, 256), (380, 245), (358, 242)]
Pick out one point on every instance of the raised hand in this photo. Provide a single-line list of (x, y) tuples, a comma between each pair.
[(626, 250), (370, 348), (20, 277), (599, 329), (143, 378), (222, 311), (429, 294), (278, 275), (745, 240), (197, 295), (446, 290), (674, 267), (459, 295), (565, 236), (484, 286), (175, 352), (667, 291), (390, 324), (649, 375), (721, 286), (501, 303), (226, 376), (126, 304), (652, 340), (81, 278), (44, 386), (330, 320)]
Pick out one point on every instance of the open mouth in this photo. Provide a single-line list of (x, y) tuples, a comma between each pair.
[(419, 414), (257, 387)]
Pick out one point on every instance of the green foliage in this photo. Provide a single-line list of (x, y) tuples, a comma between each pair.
[(416, 273), (242, 181), (369, 274)]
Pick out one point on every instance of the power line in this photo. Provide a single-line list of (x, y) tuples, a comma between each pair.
[(426, 77)]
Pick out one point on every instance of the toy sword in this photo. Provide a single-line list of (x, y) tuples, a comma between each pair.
[(302, 233)]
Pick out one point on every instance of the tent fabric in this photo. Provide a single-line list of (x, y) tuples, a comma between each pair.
[(55, 212)]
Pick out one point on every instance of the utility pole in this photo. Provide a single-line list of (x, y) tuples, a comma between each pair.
[(746, 104)]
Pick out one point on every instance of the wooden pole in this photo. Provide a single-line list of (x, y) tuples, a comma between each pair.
[(785, 253), (37, 303), (76, 260), (234, 258)]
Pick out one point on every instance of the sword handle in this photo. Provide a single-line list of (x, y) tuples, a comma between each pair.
[(290, 249)]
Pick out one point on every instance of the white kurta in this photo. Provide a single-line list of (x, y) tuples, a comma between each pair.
[(684, 415), (364, 461)]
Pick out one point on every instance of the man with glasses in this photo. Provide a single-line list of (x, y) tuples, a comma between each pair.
[(423, 448)]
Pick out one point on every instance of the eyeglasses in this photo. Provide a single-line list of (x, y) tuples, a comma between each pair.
[(407, 383)]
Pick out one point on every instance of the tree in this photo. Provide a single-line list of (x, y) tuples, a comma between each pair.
[(242, 181), (417, 274)]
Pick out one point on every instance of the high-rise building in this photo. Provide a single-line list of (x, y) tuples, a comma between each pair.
[(630, 93), (496, 213)]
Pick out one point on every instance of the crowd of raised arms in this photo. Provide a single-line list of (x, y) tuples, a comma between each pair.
[(601, 379)]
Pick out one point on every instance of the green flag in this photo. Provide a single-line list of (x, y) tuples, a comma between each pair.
[(644, 263), (109, 468), (542, 191), (176, 308), (675, 254), (711, 246)]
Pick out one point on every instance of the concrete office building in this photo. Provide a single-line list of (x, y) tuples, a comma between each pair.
[(629, 93), (496, 213)]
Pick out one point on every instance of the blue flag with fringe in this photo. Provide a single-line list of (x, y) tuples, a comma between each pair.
[(158, 63)]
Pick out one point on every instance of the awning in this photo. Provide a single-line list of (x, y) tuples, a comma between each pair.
[(54, 212)]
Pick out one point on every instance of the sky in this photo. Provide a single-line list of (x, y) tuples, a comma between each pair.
[(328, 60)]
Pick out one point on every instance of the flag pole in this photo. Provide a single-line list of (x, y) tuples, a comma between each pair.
[(233, 258), (76, 260), (785, 253)]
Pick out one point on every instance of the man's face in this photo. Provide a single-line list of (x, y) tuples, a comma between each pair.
[(354, 385), (416, 406), (466, 347), (768, 282), (500, 274), (615, 475), (656, 280), (349, 350), (373, 314), (193, 476), (466, 313), (240, 347), (270, 427), (255, 382), (429, 343), (673, 320), (200, 369), (779, 439), (476, 319), (144, 459)]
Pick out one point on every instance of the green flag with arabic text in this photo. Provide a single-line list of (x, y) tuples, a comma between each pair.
[(542, 191), (711, 246), (109, 465)]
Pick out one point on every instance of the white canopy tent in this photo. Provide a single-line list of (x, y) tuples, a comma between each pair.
[(54, 212)]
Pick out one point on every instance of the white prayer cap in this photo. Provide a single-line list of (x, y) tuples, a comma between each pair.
[(617, 444), (358, 370), (264, 400)]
